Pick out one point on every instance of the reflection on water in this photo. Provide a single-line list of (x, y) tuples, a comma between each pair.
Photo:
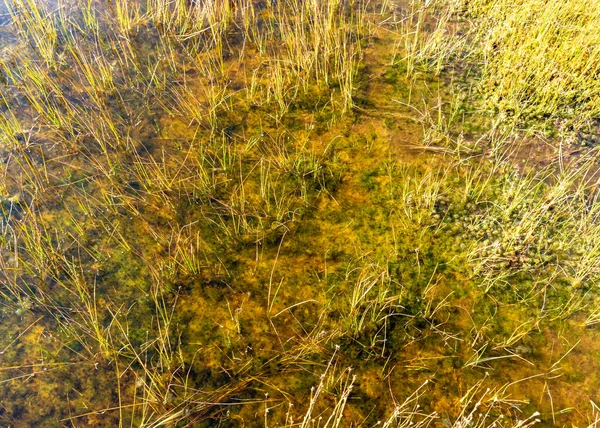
[(5, 37), (4, 14)]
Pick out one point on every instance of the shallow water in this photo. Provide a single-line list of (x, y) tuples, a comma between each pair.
[(205, 233)]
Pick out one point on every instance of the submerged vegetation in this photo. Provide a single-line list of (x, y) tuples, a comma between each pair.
[(299, 213)]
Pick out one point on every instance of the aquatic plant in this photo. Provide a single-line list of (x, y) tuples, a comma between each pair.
[(280, 213)]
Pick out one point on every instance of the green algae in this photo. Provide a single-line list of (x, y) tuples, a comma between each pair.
[(195, 269)]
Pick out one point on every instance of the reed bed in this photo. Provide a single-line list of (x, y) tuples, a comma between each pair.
[(83, 121), (198, 226), (539, 59), (535, 62)]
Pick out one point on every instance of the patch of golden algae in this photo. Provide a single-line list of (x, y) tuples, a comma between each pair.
[(228, 254)]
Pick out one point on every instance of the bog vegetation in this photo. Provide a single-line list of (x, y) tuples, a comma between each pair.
[(299, 213)]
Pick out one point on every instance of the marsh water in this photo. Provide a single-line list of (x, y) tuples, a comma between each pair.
[(201, 229)]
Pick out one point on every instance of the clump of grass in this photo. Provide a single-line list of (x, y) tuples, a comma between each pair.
[(36, 25), (539, 59), (542, 222), (536, 61), (429, 37)]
